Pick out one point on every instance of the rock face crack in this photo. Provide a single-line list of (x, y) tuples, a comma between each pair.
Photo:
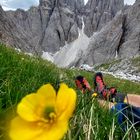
[(50, 8), (122, 40)]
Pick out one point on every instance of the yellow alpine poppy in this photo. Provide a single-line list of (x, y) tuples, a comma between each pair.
[(94, 94), (44, 115)]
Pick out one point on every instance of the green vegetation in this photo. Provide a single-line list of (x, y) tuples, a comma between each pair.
[(21, 74), (136, 62), (107, 65)]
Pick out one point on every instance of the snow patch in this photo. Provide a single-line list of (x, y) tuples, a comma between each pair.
[(106, 12), (30, 54), (86, 67), (116, 54), (85, 2), (72, 52), (47, 56), (17, 49), (122, 75)]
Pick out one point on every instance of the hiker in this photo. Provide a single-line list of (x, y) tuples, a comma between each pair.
[(82, 84), (111, 93), (127, 106), (104, 92), (123, 104)]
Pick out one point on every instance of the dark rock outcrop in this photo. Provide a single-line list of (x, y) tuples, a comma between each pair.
[(120, 38), (13, 35), (99, 12), (130, 41)]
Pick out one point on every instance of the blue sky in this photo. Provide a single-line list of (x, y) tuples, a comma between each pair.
[(25, 4)]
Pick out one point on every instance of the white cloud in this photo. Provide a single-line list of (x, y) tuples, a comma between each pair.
[(14, 4), (129, 2), (86, 1)]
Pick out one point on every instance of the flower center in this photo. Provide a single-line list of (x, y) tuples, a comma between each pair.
[(49, 114)]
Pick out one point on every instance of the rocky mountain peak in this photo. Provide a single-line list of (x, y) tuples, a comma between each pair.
[(98, 13), (72, 4), (56, 24), (2, 13), (47, 3)]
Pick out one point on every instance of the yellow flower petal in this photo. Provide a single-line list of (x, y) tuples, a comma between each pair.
[(47, 95), (32, 106), (65, 102), (23, 130), (27, 108), (56, 131)]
